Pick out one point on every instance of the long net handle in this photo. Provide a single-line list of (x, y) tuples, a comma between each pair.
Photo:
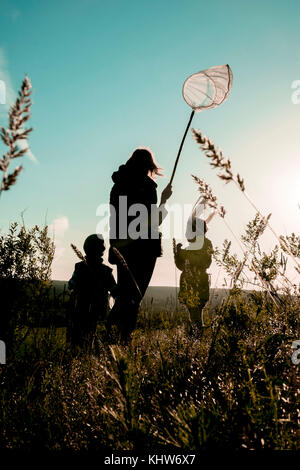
[(181, 145)]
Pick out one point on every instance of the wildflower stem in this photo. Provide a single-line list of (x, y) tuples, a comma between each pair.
[(218, 161)]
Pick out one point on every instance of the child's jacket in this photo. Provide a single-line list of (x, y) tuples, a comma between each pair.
[(91, 283), (194, 283)]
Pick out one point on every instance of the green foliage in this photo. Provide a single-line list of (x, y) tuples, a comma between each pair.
[(257, 268), (291, 244), (25, 269), (268, 265), (254, 230), (26, 254), (188, 294), (231, 386), (226, 260), (234, 388)]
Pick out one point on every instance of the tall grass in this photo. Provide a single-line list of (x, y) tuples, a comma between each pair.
[(217, 161), (235, 387), (15, 134)]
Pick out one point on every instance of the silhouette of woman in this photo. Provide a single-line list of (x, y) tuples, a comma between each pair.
[(134, 184)]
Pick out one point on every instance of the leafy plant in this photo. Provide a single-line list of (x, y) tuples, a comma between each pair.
[(26, 254), (25, 270)]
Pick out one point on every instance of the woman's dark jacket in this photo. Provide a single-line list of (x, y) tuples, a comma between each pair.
[(139, 190)]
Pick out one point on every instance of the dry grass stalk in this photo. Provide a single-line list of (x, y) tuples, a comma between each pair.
[(218, 160), (78, 252), (226, 174), (211, 200), (18, 116), (208, 196)]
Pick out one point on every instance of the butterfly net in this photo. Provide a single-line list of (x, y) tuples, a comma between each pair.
[(208, 88)]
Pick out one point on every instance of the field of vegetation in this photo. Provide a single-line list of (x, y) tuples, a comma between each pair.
[(233, 385)]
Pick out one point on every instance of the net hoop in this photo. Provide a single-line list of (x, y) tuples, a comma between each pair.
[(208, 88)]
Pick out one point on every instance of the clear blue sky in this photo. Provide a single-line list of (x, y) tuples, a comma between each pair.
[(107, 77)]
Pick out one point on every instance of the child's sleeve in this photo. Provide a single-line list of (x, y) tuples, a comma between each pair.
[(73, 282)]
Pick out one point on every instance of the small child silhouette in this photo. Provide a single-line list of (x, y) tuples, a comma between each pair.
[(193, 262), (91, 283)]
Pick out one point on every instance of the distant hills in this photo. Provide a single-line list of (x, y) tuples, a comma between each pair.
[(161, 296)]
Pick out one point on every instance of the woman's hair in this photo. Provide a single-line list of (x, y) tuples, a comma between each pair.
[(142, 161)]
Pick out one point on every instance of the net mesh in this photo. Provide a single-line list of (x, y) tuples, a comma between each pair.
[(208, 88)]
